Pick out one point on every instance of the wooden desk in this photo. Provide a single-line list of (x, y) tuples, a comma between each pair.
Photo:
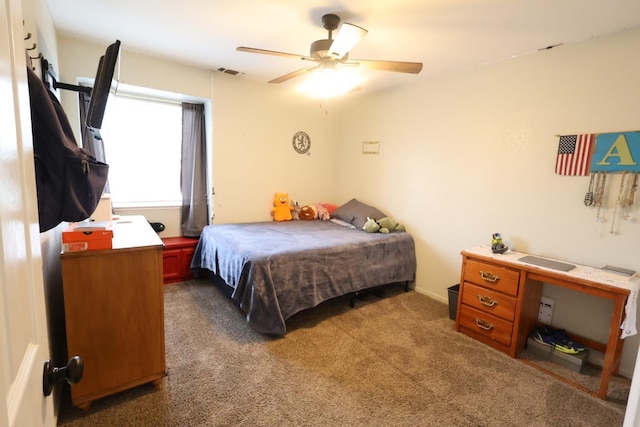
[(114, 312), (507, 312)]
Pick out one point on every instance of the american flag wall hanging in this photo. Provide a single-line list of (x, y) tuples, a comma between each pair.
[(574, 154), (579, 155)]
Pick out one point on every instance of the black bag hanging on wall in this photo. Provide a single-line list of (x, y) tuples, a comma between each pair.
[(69, 179)]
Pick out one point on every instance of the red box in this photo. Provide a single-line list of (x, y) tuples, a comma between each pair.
[(85, 236)]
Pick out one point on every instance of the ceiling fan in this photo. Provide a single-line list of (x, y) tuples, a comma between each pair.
[(330, 53)]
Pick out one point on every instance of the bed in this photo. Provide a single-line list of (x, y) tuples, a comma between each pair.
[(276, 269)]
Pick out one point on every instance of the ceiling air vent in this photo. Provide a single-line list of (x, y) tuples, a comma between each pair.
[(228, 71)]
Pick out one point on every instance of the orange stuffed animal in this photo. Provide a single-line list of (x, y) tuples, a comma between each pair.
[(281, 207)]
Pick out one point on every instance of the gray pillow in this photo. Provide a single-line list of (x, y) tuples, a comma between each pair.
[(356, 213)]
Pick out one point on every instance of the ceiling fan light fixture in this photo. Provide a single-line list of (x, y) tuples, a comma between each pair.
[(348, 36), (329, 82)]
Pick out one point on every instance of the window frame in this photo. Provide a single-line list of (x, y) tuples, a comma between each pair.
[(165, 97)]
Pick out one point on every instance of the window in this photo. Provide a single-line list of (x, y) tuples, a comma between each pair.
[(142, 142)]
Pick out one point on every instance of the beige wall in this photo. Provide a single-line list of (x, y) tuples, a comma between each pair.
[(470, 154), (253, 156)]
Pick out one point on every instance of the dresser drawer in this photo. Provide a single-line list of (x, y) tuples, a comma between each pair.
[(491, 276), (486, 324), (489, 301)]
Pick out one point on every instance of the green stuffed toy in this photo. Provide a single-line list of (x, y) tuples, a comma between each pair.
[(371, 226), (388, 225), (385, 225)]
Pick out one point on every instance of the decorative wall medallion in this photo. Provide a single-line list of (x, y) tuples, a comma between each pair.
[(301, 142)]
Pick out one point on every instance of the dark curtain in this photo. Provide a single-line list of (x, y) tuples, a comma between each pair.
[(91, 139), (193, 179)]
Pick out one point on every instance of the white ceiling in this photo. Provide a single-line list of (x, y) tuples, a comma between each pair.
[(446, 35)]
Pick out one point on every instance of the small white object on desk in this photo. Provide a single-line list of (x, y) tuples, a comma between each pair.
[(104, 210)]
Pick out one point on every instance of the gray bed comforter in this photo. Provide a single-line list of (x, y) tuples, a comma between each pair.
[(279, 268)]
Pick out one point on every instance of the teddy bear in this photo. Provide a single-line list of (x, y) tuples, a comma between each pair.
[(295, 212), (281, 207), (308, 212)]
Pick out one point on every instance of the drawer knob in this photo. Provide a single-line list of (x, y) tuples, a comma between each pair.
[(483, 324), (487, 301), (489, 276)]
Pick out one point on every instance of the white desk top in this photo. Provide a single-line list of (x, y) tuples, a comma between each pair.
[(133, 232)]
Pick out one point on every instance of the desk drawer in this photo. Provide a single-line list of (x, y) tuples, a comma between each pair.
[(488, 301), (491, 276), (486, 324)]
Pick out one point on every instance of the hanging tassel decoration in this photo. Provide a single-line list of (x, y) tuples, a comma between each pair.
[(588, 197), (601, 180), (619, 202)]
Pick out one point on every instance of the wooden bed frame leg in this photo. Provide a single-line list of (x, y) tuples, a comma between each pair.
[(353, 299)]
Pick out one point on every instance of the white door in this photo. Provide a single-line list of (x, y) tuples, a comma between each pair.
[(23, 330)]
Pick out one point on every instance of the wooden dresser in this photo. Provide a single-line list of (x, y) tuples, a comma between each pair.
[(490, 309), (114, 312)]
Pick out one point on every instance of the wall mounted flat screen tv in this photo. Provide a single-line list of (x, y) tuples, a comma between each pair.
[(102, 86)]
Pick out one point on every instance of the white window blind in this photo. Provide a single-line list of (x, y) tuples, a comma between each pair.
[(142, 142)]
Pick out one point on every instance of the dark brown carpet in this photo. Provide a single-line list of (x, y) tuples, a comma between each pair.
[(390, 361)]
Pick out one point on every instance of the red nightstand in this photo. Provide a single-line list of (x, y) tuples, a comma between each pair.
[(176, 258)]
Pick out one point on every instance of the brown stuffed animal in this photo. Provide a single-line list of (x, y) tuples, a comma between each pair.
[(308, 212)]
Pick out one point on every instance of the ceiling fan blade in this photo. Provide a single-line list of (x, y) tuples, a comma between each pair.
[(292, 75), (397, 66), (348, 36), (271, 52)]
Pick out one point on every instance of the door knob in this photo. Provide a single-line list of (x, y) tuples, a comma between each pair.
[(72, 373)]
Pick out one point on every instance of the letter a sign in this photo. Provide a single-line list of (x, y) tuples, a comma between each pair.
[(616, 152)]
